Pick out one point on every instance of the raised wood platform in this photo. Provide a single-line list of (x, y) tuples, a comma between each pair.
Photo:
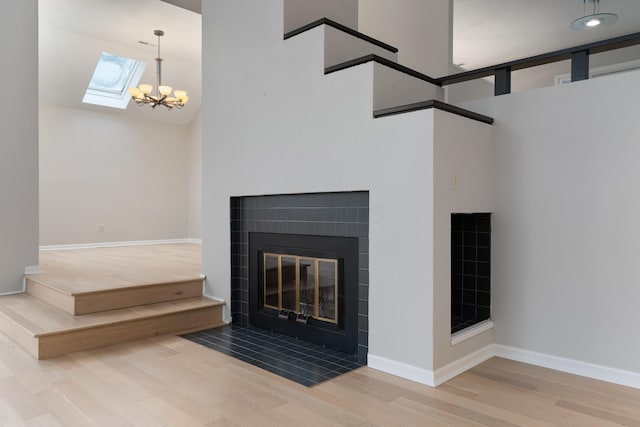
[(105, 299), (89, 298)]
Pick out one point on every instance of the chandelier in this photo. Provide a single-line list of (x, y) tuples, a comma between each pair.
[(142, 94)]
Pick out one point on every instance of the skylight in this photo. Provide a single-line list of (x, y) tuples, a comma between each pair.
[(111, 78)]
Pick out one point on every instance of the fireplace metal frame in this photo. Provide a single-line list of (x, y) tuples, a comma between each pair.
[(316, 286), (343, 335)]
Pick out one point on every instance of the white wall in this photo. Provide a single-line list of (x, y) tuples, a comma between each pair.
[(194, 170), (421, 30), (274, 123), (469, 90), (99, 168), (565, 229), (463, 182), (543, 76), (341, 47), (298, 13), (536, 77), (19, 143), (280, 126)]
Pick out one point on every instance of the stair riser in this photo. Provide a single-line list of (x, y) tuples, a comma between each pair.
[(113, 299), (18, 334), (58, 299), (131, 297), (175, 323)]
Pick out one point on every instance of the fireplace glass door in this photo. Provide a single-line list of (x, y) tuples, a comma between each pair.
[(301, 285)]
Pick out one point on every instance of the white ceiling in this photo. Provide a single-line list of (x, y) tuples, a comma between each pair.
[(489, 32), (73, 33)]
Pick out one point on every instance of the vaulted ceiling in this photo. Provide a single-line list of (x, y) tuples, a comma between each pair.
[(73, 33)]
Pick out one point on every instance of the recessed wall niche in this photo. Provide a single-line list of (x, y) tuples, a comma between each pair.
[(470, 269)]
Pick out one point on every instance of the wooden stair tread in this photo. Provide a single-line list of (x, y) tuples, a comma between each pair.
[(79, 271), (78, 289), (41, 319), (89, 298)]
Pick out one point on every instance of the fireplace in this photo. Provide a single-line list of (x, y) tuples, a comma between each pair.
[(306, 287), (300, 267)]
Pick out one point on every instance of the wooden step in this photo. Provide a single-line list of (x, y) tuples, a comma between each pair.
[(74, 300), (47, 331)]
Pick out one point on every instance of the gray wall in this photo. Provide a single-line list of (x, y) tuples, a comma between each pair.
[(420, 30), (298, 13), (130, 175), (194, 171), (19, 143), (565, 229), (280, 126)]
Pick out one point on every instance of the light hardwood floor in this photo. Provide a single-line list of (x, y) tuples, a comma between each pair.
[(86, 270), (87, 298), (169, 381)]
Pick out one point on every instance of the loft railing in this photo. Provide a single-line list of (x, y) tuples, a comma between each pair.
[(578, 55)]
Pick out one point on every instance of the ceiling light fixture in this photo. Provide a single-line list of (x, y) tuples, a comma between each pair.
[(595, 19), (142, 94)]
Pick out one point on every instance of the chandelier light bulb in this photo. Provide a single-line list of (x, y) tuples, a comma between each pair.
[(165, 90), (145, 89)]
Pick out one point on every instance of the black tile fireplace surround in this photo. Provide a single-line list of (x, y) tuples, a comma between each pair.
[(305, 216)]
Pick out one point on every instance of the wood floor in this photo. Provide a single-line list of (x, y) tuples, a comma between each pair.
[(86, 270), (87, 298), (169, 381)]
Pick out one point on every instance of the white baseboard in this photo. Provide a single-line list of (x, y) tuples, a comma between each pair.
[(598, 372), (226, 310), (214, 297), (13, 292), (116, 244), (33, 269), (402, 370), (455, 368), (463, 364)]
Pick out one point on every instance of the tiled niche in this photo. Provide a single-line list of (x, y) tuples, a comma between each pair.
[(470, 269), (342, 214)]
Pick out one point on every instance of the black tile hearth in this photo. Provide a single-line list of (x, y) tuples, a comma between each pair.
[(299, 361)]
